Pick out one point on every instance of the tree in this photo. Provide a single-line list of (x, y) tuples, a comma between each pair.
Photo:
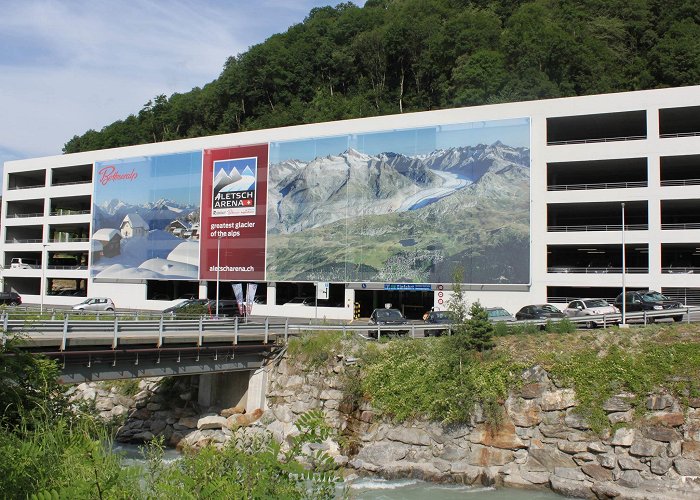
[(479, 329)]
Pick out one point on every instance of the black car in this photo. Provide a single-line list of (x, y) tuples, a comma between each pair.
[(10, 298), (387, 317), (437, 318), (539, 312), (649, 300), (227, 307)]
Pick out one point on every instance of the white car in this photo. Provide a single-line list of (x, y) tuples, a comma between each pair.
[(592, 307), (95, 304)]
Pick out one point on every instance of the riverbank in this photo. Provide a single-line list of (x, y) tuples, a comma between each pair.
[(649, 447)]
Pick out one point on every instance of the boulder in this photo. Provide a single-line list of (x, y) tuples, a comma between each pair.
[(660, 465), (597, 472), (666, 419), (571, 488), (659, 402), (607, 460), (621, 417), (686, 467), (572, 448), (691, 450), (211, 422), (560, 399), (576, 421), (570, 473), (630, 463), (546, 459), (244, 419), (467, 472), (234, 410), (383, 452), (642, 447), (631, 479), (409, 435), (503, 436), (618, 403), (623, 437), (663, 434), (523, 412), (532, 390), (485, 456), (535, 477)]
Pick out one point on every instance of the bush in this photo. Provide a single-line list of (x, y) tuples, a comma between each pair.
[(315, 348)]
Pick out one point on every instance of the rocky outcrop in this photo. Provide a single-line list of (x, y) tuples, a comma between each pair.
[(542, 442)]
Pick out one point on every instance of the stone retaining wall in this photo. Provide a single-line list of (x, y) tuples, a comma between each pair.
[(541, 442)]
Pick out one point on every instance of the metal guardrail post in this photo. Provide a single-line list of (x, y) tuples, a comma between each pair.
[(687, 314), (65, 333), (160, 333), (5, 319), (199, 332), (379, 333), (116, 333), (235, 331), (413, 331), (644, 315), (267, 329), (286, 330)]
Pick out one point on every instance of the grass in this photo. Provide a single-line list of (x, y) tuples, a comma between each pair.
[(407, 379)]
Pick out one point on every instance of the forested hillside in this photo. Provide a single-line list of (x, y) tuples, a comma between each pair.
[(394, 56)]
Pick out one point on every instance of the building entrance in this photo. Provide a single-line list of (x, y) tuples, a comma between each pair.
[(412, 304)]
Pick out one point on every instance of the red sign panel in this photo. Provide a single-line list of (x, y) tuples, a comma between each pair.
[(234, 213)]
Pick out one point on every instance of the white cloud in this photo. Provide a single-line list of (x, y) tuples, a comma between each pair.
[(67, 67)]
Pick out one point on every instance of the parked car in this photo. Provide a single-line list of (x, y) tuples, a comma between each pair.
[(185, 303), (10, 298), (95, 304), (592, 307), (437, 318), (498, 315), (649, 300), (300, 301), (386, 317), (539, 312)]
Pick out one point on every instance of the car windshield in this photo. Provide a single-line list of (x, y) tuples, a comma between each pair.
[(388, 314), (496, 313), (596, 303), (653, 297), (549, 308)]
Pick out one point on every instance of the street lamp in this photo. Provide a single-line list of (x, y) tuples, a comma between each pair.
[(218, 273), (44, 263), (624, 296)]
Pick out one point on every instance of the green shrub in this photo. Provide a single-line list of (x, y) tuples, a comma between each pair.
[(564, 325), (315, 348), (420, 380)]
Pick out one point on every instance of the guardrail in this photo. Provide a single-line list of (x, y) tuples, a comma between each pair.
[(598, 139), (598, 185), (200, 331), (597, 227)]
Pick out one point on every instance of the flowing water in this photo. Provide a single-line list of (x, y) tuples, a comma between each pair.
[(369, 488)]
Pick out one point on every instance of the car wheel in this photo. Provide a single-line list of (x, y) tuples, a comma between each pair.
[(651, 320), (678, 319), (13, 303), (590, 325), (109, 309)]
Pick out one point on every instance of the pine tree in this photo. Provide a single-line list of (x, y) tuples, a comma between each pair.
[(479, 329)]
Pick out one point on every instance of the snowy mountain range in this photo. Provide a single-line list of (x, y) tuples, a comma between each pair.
[(327, 189)]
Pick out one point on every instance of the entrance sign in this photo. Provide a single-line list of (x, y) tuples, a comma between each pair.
[(322, 290)]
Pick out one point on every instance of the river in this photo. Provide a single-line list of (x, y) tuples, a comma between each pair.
[(381, 489)]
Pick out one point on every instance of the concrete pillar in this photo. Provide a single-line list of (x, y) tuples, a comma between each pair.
[(257, 388), (202, 290), (271, 294), (223, 390), (205, 396)]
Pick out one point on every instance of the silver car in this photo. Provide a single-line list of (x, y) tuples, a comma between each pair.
[(95, 304), (592, 307), (498, 314)]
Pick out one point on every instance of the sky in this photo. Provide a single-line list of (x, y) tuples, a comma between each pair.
[(67, 66)]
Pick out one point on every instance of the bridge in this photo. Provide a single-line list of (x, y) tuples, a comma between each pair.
[(228, 354)]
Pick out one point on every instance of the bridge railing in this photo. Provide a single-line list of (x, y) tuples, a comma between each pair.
[(117, 332)]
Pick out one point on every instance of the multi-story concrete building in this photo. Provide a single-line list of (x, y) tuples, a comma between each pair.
[(528, 198)]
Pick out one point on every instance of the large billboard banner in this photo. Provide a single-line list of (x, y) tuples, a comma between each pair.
[(234, 223), (403, 206), (394, 206), (146, 218)]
